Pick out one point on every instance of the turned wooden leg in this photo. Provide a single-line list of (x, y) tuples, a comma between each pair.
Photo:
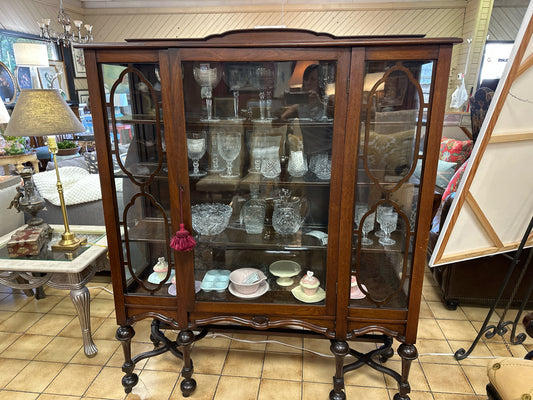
[(81, 299), (188, 384), (340, 349), (125, 334), (408, 353)]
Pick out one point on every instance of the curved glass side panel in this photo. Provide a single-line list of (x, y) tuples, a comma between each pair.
[(390, 160), (138, 159), (259, 141)]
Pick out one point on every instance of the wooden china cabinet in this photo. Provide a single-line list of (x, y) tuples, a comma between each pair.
[(321, 150)]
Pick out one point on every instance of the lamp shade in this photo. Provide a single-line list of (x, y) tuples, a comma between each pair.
[(4, 115), (42, 112), (30, 54)]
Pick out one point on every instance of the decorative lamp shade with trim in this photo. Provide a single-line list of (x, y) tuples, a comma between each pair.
[(42, 112)]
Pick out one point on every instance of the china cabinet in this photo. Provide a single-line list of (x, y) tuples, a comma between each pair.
[(303, 165)]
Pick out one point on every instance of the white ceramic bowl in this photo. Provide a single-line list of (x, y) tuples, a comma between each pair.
[(239, 276), (210, 218)]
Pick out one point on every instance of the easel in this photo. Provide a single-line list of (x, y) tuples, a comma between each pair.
[(501, 328)]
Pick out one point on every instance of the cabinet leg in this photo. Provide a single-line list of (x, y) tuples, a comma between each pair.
[(408, 353), (125, 334), (339, 349), (81, 299), (188, 384)]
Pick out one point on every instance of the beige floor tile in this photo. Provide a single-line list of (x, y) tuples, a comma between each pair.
[(107, 384), (102, 307), (206, 385), (41, 305), (35, 376), (364, 376), (457, 330), (480, 355), (106, 349), (431, 293), (9, 368), (117, 359), (60, 349), (64, 307), (142, 331), (446, 378), (367, 393), (456, 396), (321, 346), (208, 360), (479, 314), (27, 346), (425, 311), (232, 388), (435, 351), (50, 324), (219, 342), (14, 302), (273, 389), (248, 342), (441, 312), (477, 376), (57, 397), (165, 362), (73, 327), (106, 330), (73, 380), (13, 395), (417, 378), (317, 368), (244, 363), (290, 344), (413, 394), (319, 391), (501, 349), (7, 338), (283, 366), (5, 315), (20, 322), (154, 385), (429, 329)]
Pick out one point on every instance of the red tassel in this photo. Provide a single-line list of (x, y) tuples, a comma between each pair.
[(182, 240)]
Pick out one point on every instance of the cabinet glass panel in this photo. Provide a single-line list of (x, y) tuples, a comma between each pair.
[(137, 148), (259, 140), (390, 160)]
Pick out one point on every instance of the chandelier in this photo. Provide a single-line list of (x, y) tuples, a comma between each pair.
[(68, 36)]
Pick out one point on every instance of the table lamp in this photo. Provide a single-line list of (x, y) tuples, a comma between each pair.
[(44, 112)]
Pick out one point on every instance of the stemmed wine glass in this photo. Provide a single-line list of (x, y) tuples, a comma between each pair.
[(196, 146), (325, 80), (388, 224), (265, 76), (235, 80), (229, 147), (213, 152), (368, 223), (382, 208), (208, 76)]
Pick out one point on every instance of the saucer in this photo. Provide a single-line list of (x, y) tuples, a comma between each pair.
[(261, 290), (300, 295), (155, 280), (172, 288), (356, 294)]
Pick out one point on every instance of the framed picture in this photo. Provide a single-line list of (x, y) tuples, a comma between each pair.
[(8, 88), (61, 77), (23, 78), (83, 96), (48, 77), (79, 62)]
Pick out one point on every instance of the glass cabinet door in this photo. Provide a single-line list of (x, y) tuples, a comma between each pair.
[(137, 147), (260, 141), (390, 159)]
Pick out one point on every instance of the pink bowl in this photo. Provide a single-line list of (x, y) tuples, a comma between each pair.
[(239, 276)]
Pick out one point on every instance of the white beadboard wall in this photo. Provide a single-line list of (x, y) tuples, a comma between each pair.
[(456, 18)]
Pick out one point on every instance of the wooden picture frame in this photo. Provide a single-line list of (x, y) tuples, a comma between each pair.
[(78, 60), (23, 78), (61, 78), (83, 96), (8, 88)]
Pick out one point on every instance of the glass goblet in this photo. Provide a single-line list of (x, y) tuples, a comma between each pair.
[(196, 147), (388, 224), (379, 212), (208, 76), (367, 226), (229, 148)]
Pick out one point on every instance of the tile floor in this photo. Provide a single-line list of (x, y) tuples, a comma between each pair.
[(41, 357)]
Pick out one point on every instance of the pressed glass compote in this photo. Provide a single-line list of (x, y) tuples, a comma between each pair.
[(196, 146), (388, 224), (229, 147)]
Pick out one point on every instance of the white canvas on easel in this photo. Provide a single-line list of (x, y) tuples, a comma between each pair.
[(494, 202)]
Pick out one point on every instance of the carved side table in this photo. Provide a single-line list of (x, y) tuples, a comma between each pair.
[(18, 160), (70, 271)]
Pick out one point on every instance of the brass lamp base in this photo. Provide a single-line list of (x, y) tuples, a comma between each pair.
[(69, 242)]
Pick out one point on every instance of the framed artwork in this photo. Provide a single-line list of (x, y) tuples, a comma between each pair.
[(61, 77), (8, 88), (83, 96), (48, 77), (23, 78), (79, 62)]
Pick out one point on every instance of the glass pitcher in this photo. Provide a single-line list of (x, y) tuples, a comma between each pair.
[(286, 217)]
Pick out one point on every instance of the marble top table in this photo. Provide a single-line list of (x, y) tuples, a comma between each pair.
[(60, 270)]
